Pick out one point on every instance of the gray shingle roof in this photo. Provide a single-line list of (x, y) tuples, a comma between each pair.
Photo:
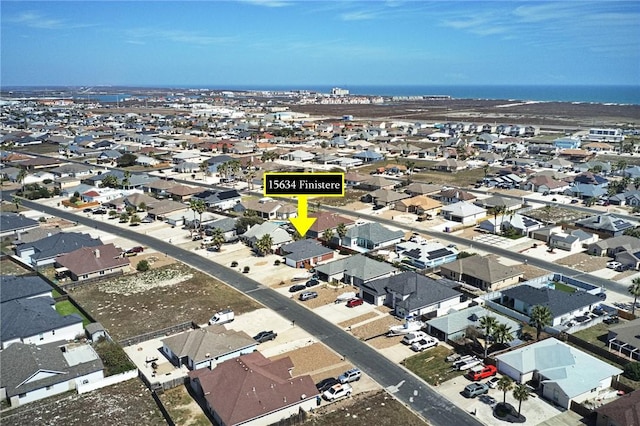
[(358, 266), (208, 343), (11, 222), (559, 302), (373, 232), (304, 249), (61, 243), (19, 287)]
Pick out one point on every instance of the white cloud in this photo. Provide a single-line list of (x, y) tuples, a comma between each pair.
[(140, 35), (268, 3), (36, 20)]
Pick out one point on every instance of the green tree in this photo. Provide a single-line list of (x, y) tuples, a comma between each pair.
[(410, 166), (22, 174), (487, 323), (264, 244), (142, 207), (134, 220), (198, 206), (142, 266), (632, 371), (124, 218), (505, 384), (636, 183), (341, 230), (540, 317), (501, 333), (126, 180), (217, 238), (110, 181), (496, 211), (634, 290), (327, 235), (204, 168), (520, 394), (126, 160)]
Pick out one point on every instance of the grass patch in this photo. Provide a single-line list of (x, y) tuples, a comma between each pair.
[(182, 408), (564, 287), (65, 308), (431, 365)]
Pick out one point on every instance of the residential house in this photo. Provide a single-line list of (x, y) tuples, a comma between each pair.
[(377, 182), (72, 170), (183, 192), (134, 200), (13, 224), (625, 339), (509, 204), (31, 373), (158, 187), (453, 195), (605, 225), (544, 183), (23, 287), (88, 263), (614, 245), (43, 252), (221, 200), (368, 156), (253, 390), (454, 325), (416, 188), (522, 225), (305, 253), (355, 270), (207, 347), (146, 161), (563, 305), (567, 142), (162, 209), (425, 254), (384, 197), (370, 236), (419, 204), (228, 227), (410, 294), (622, 411), (325, 221), (564, 373), (482, 272), (267, 208), (572, 241), (450, 165), (463, 212), (278, 235), (353, 180)]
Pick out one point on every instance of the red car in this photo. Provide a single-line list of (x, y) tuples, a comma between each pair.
[(354, 302), (482, 372)]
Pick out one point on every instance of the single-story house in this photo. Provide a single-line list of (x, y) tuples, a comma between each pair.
[(481, 272), (93, 262), (223, 200), (253, 390), (377, 182), (14, 224), (228, 227), (31, 373), (267, 208), (611, 246), (327, 220), (453, 325), (621, 411), (509, 204), (606, 225), (279, 236), (426, 254), (417, 188), (463, 212), (13, 287), (370, 236), (625, 339), (206, 347), (453, 196), (523, 225), (355, 270), (305, 253), (384, 197), (43, 252), (419, 204), (564, 373), (574, 240), (563, 305)]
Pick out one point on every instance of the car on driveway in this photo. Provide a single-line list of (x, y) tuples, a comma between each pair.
[(312, 282), (421, 345), (613, 265), (307, 295), (352, 375), (493, 382), (337, 391), (326, 384), (297, 287), (613, 319), (482, 372), (265, 336), (354, 302), (414, 336), (475, 389)]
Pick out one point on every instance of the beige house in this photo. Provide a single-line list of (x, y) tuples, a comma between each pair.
[(93, 262), (419, 204), (481, 272)]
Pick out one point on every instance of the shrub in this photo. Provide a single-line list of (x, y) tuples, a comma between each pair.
[(142, 266), (234, 264), (276, 262), (245, 270), (632, 371), (114, 358)]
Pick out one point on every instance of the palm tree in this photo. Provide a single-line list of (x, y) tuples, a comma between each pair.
[(505, 384), (540, 317), (520, 394), (142, 206), (264, 244), (217, 238), (327, 235), (636, 183), (496, 211), (487, 323), (18, 202), (22, 174), (634, 290), (126, 180), (410, 166), (502, 333), (222, 170), (341, 230), (134, 220), (198, 206), (204, 168)]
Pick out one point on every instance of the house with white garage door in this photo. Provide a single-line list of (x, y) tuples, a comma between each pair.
[(561, 372)]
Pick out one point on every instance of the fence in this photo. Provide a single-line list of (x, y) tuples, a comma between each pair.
[(581, 410), (602, 352), (90, 281), (165, 385), (64, 294), (508, 312), (157, 333), (108, 381), (163, 410)]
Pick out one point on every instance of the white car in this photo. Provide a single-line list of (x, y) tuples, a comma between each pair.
[(613, 265), (423, 344), (493, 382), (337, 391)]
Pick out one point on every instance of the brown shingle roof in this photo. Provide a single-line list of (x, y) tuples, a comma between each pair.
[(325, 220), (87, 260)]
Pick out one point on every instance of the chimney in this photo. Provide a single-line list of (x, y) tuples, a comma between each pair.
[(97, 253)]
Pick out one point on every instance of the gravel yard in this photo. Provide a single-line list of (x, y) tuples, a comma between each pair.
[(584, 262), (375, 328), (311, 358)]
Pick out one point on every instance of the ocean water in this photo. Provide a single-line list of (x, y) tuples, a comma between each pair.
[(587, 94)]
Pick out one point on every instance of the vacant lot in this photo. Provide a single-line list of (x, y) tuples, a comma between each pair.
[(555, 214), (135, 304), (584, 262), (374, 408), (10, 268), (127, 403), (184, 411), (312, 358), (432, 367)]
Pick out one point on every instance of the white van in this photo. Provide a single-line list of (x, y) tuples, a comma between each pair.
[(222, 317)]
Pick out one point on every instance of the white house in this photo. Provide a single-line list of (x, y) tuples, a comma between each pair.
[(463, 212)]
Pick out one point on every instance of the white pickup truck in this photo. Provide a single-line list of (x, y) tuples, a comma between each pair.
[(414, 336), (337, 391)]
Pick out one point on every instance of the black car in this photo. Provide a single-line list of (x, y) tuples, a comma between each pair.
[(297, 287), (312, 282), (100, 211), (326, 384), (265, 336), (612, 320)]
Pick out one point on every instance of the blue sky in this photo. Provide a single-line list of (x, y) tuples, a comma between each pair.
[(297, 43)]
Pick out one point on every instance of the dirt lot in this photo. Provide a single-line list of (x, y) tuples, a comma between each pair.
[(184, 411), (374, 408), (584, 262), (136, 304), (313, 358), (8, 267), (554, 214), (127, 403)]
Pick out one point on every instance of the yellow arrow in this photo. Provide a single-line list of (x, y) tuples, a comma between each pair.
[(302, 223)]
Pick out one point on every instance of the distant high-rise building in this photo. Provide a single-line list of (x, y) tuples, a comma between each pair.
[(339, 92)]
